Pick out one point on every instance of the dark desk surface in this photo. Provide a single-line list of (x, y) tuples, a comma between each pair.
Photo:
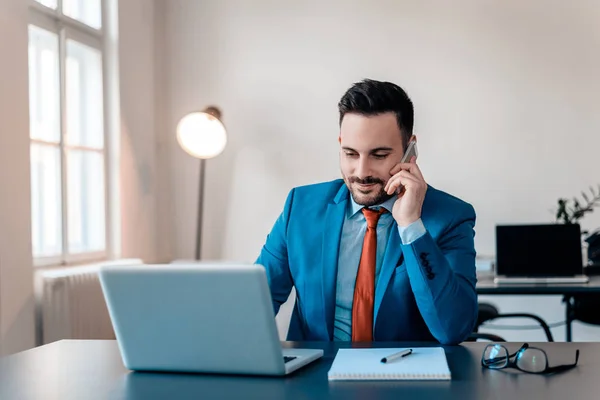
[(486, 285), (93, 370)]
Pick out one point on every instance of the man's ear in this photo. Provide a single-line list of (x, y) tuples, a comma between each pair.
[(413, 138)]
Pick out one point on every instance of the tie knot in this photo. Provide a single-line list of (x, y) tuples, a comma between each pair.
[(372, 216)]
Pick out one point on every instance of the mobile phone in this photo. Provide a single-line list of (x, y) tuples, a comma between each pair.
[(410, 152)]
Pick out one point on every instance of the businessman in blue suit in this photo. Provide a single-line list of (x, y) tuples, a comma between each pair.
[(378, 255)]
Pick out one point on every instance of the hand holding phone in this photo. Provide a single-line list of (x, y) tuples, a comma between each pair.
[(411, 151), (408, 184)]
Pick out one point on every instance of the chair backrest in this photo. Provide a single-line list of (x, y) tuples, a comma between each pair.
[(488, 312), (585, 308), (485, 336), (485, 313)]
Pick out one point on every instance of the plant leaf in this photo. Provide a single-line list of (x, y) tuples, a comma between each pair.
[(585, 197)]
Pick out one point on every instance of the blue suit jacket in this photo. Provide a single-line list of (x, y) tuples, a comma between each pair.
[(426, 289)]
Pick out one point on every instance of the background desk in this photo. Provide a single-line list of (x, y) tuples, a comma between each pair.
[(486, 285), (93, 370)]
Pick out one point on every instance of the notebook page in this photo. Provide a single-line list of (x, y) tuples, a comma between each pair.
[(424, 363)]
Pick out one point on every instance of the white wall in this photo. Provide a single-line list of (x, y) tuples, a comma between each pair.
[(140, 88), (16, 273), (146, 207), (505, 95)]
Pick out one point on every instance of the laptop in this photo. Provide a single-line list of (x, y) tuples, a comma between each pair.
[(539, 254), (203, 318)]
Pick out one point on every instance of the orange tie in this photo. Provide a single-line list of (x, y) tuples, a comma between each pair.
[(364, 289)]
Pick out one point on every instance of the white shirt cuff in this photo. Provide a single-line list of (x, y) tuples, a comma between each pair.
[(412, 232)]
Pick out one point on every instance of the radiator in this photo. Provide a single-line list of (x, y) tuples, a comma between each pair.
[(70, 304)]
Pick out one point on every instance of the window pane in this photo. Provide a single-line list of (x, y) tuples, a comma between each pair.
[(44, 95), (85, 124), (85, 185), (87, 11), (48, 3), (46, 221)]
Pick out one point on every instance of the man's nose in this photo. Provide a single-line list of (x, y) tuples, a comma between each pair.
[(363, 168)]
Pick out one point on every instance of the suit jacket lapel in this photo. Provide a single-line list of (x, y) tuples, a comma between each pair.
[(334, 221), (393, 252)]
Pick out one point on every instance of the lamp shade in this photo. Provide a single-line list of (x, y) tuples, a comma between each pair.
[(201, 135)]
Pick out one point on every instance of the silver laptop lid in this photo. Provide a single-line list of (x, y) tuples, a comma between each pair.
[(214, 318)]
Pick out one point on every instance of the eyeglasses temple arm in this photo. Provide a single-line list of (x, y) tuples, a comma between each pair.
[(564, 367)]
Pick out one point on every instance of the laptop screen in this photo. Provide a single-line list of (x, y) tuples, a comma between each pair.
[(538, 250)]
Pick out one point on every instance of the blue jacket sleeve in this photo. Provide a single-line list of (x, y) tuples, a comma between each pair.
[(274, 257), (443, 278)]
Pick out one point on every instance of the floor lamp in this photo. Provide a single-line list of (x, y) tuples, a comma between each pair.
[(202, 135)]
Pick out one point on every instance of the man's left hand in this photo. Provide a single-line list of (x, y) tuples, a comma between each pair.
[(408, 180)]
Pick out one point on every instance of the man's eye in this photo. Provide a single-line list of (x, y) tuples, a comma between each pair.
[(351, 154), (380, 156)]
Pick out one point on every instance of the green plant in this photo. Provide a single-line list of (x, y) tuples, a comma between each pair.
[(570, 212)]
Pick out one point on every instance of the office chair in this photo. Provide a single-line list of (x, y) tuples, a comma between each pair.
[(488, 312), (584, 308), (473, 337)]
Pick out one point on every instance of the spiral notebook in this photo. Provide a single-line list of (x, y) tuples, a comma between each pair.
[(425, 363)]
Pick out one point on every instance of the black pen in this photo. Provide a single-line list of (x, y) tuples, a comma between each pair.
[(400, 354)]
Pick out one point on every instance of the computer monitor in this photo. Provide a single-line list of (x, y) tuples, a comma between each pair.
[(552, 250)]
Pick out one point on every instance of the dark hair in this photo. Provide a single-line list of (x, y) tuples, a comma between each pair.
[(370, 97)]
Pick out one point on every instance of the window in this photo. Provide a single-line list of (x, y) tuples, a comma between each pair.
[(67, 131)]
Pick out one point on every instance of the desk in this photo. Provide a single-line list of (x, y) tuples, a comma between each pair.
[(486, 285), (77, 369)]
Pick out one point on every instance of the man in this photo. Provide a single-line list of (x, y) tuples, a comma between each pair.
[(379, 255)]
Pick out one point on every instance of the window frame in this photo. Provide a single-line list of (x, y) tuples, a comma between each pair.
[(67, 28)]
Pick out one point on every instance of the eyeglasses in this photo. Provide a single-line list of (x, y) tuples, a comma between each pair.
[(527, 359)]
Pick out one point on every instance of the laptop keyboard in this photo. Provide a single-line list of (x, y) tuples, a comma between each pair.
[(287, 359)]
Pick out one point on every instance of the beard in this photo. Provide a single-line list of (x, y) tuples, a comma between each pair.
[(367, 197)]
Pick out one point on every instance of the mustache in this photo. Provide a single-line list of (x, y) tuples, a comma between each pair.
[(365, 181)]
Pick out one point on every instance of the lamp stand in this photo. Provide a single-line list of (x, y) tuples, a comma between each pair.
[(200, 207)]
